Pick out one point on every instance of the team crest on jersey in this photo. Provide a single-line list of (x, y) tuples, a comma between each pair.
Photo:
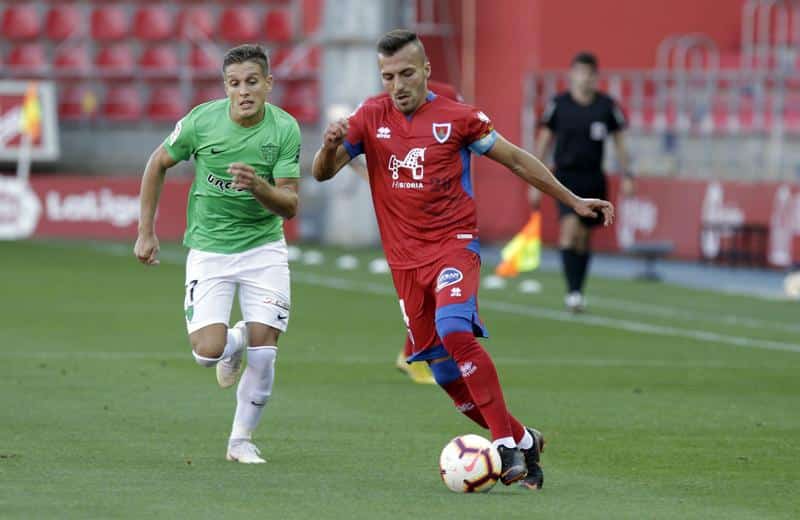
[(270, 153), (448, 276), (441, 131)]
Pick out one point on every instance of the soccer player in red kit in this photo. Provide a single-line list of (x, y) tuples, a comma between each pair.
[(418, 148)]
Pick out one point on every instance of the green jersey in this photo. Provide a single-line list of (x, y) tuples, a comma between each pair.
[(220, 218)]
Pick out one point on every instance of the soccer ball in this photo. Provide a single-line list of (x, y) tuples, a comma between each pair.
[(469, 464)]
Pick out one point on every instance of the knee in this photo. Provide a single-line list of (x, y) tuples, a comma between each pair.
[(457, 336), (207, 347), (444, 370)]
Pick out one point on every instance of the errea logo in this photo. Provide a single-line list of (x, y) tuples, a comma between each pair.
[(467, 368), (384, 133)]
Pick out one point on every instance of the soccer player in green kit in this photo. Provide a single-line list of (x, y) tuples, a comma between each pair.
[(246, 154)]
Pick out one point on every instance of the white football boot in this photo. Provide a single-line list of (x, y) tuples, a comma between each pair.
[(575, 302), (244, 452), (228, 369)]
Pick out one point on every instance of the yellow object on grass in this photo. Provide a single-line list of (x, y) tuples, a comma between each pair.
[(523, 253)]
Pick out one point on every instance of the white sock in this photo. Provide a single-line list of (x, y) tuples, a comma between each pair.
[(527, 441), (508, 442), (235, 342), (255, 389)]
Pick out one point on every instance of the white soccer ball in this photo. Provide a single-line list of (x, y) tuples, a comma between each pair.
[(469, 464)]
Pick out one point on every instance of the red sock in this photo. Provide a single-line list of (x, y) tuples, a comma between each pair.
[(480, 377), (459, 393)]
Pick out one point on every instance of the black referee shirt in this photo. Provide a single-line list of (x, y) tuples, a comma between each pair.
[(581, 130)]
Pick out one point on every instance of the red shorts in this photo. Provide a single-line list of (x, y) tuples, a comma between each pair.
[(446, 288)]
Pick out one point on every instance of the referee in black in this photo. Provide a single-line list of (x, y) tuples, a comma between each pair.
[(579, 121)]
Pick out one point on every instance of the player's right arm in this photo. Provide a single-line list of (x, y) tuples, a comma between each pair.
[(332, 156), (146, 248)]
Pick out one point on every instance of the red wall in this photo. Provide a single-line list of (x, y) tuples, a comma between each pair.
[(515, 37)]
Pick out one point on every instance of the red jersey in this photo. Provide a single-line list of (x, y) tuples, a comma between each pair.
[(419, 174)]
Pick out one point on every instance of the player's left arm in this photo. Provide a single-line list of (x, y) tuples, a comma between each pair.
[(535, 173), (624, 159)]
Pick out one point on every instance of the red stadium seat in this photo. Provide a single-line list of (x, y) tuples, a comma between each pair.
[(195, 23), (153, 23), (21, 22), (76, 102), (28, 59), (238, 24), (122, 103), (161, 60), (166, 104), (115, 60), (205, 62), (72, 60), (109, 23), (62, 22), (301, 99), (278, 26), (207, 93)]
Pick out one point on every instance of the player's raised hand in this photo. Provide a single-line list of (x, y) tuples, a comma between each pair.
[(146, 249), (244, 176), (590, 207), (334, 134)]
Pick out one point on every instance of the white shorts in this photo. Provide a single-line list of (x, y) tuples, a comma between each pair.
[(261, 274)]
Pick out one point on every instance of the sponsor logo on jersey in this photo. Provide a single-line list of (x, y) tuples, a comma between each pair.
[(441, 132), (221, 184), (483, 117), (455, 292), (384, 133), (448, 276), (412, 162)]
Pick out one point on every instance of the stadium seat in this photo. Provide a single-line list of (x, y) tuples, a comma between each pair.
[(71, 60), (301, 99), (76, 102), (122, 103), (152, 23), (238, 24), (205, 62), (115, 60), (278, 26), (166, 104), (203, 93), (109, 23), (160, 60), (62, 22), (195, 23), (21, 22), (27, 59)]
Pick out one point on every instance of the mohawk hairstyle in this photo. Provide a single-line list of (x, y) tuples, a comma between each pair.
[(396, 39)]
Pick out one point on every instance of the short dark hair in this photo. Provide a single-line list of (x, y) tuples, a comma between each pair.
[(247, 52), (585, 58), (396, 39)]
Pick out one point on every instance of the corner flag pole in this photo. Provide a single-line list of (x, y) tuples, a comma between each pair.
[(30, 125)]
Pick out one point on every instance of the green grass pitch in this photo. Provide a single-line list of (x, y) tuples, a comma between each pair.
[(661, 402)]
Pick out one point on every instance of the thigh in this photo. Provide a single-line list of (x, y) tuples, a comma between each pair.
[(418, 308), (209, 290), (456, 290), (265, 288)]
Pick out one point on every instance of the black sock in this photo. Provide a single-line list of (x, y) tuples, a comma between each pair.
[(582, 269), (572, 265)]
